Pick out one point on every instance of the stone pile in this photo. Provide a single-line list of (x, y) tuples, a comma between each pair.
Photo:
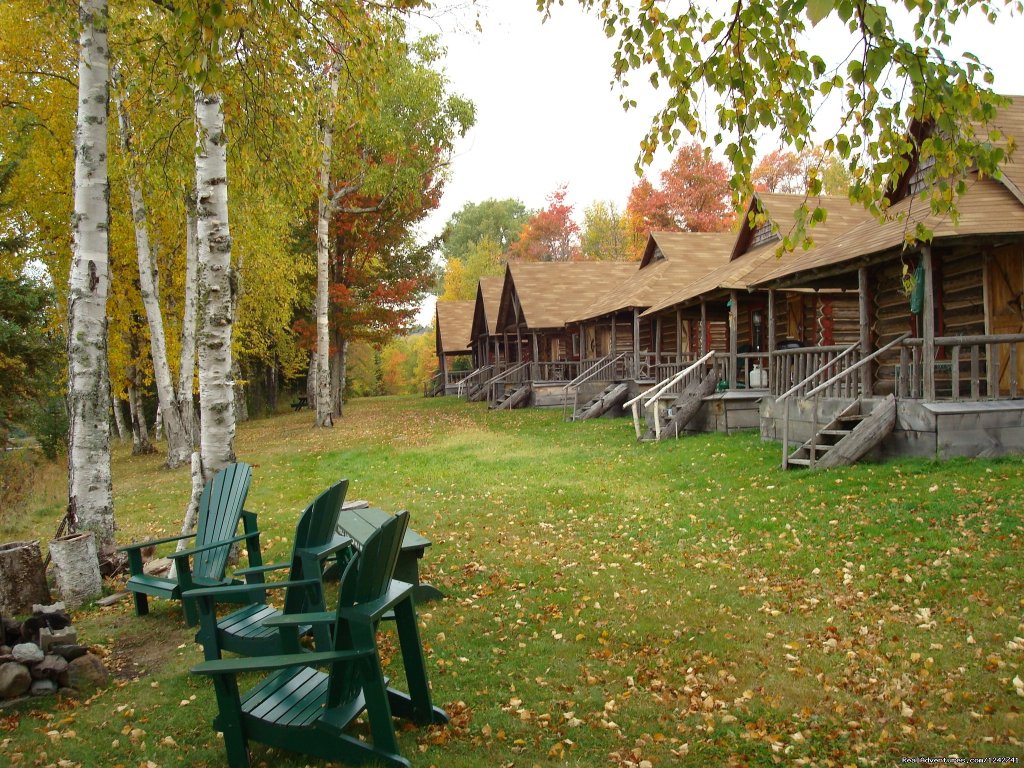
[(42, 655)]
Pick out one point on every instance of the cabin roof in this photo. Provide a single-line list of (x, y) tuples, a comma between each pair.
[(746, 267), (488, 301), (553, 293), (688, 256), (987, 208), (1010, 122), (454, 324)]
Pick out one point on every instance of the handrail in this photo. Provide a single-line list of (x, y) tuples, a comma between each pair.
[(792, 390), (658, 390), (858, 365), (506, 372), (600, 366), (467, 379)]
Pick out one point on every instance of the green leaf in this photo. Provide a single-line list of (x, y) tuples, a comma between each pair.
[(819, 9)]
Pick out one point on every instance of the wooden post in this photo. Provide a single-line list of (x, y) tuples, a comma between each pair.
[(615, 346), (656, 331), (679, 335), (734, 318), (519, 345), (636, 343), (928, 325), (866, 386), (771, 341), (536, 349), (703, 328)]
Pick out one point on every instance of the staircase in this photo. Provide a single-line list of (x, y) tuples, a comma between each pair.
[(845, 439), (670, 421), (613, 394), (514, 397)]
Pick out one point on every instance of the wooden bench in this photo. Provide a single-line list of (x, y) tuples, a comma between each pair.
[(300, 402), (358, 520)]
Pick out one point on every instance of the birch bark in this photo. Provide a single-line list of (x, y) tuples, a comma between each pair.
[(216, 398), (90, 492), (324, 401), (187, 364), (179, 446)]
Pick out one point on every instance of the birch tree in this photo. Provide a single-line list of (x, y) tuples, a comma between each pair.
[(179, 443), (90, 491)]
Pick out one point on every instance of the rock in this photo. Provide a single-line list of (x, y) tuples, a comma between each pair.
[(50, 668), (14, 680), (48, 638), (5, 650), (42, 687), (27, 653), (45, 610), (69, 652), (87, 672), (12, 629)]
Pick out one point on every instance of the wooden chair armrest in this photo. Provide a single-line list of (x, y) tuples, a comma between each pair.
[(154, 542), (258, 663), (260, 569), (298, 619), (185, 553), (232, 590), (339, 543)]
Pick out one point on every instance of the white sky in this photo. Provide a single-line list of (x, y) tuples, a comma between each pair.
[(548, 115)]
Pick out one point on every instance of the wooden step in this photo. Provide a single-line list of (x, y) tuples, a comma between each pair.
[(800, 462)]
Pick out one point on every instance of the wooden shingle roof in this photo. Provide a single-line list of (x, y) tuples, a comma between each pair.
[(454, 323), (670, 260), (551, 294), (988, 208), (746, 267)]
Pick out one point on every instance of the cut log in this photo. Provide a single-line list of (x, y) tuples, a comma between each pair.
[(615, 397), (22, 578), (77, 568), (519, 397), (685, 408)]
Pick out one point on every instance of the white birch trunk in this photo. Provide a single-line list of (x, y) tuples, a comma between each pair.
[(216, 397), (324, 410), (118, 417), (90, 492), (178, 443), (187, 364), (192, 510)]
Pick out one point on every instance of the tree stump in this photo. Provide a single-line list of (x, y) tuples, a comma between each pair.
[(77, 568), (22, 578)]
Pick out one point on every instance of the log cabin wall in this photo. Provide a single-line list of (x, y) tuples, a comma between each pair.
[(959, 308), (667, 326), (839, 319), (646, 334), (623, 335)]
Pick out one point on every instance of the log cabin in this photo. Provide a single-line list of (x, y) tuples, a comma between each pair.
[(489, 353), (543, 351), (728, 319), (938, 367), (452, 324)]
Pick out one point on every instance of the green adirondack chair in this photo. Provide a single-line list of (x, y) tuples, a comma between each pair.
[(244, 631), (299, 708), (202, 565)]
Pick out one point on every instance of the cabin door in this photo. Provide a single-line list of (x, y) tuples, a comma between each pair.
[(1006, 306)]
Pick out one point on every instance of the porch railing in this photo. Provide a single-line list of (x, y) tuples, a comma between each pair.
[(516, 374), (554, 371), (962, 368), (673, 385), (430, 386), (474, 379)]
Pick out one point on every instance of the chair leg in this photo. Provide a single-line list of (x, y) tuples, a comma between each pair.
[(423, 713), (141, 603), (191, 612), (378, 710), (229, 721)]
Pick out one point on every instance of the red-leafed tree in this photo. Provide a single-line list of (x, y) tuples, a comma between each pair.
[(694, 196), (781, 171), (550, 234)]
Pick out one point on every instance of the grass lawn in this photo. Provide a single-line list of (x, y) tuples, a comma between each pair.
[(609, 603)]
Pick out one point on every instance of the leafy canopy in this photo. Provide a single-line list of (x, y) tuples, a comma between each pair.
[(749, 64)]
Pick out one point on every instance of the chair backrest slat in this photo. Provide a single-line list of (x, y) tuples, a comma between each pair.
[(220, 508), (315, 528)]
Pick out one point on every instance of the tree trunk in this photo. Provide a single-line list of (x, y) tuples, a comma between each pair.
[(187, 364), (90, 494), (271, 384), (192, 510), (311, 381), (178, 441), (216, 397), (22, 578), (76, 568), (140, 433), (241, 401), (122, 431), (324, 401), (158, 424), (338, 373)]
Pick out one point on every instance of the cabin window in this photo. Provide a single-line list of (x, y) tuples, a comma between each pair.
[(763, 234), (576, 345)]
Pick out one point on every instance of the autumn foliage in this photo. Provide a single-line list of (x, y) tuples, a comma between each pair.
[(551, 234)]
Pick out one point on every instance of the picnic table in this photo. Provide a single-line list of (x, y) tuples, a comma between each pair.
[(301, 401), (358, 520)]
